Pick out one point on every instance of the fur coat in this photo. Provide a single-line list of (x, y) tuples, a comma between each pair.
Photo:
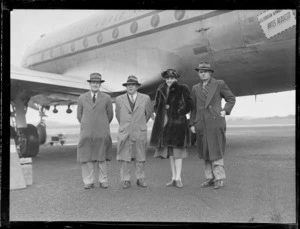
[(170, 126)]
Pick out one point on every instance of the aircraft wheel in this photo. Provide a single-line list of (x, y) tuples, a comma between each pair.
[(29, 141), (41, 129)]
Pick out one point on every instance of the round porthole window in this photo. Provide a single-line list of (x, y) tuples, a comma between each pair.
[(115, 33), (133, 27), (99, 38), (179, 14), (85, 42), (155, 20)]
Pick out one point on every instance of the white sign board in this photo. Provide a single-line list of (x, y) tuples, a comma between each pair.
[(274, 22)]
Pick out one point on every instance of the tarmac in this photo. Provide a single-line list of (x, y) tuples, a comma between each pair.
[(260, 186)]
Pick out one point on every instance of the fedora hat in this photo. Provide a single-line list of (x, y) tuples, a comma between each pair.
[(132, 80), (170, 73), (96, 77), (204, 66)]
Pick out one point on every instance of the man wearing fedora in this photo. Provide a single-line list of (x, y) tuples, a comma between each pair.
[(208, 122), (94, 113), (133, 110)]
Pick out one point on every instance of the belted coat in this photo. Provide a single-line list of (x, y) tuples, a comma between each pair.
[(132, 133), (205, 116), (174, 105), (95, 142)]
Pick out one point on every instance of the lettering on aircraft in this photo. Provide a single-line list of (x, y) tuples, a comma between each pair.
[(274, 22)]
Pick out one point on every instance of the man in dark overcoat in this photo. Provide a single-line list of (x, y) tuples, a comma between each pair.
[(94, 113), (133, 111), (208, 122)]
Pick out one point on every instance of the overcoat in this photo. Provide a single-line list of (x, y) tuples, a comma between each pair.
[(132, 133), (175, 106), (210, 126), (95, 141)]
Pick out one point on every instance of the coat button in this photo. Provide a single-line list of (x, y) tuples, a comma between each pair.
[(167, 106)]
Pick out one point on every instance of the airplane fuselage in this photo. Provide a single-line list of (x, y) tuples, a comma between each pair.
[(144, 43)]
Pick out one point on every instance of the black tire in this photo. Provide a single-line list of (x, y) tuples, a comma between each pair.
[(41, 129), (30, 144)]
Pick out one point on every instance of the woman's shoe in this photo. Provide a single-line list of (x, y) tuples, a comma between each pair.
[(171, 183), (179, 184)]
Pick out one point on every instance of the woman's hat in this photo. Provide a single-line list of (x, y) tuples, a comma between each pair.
[(170, 73), (96, 77), (204, 66), (132, 80)]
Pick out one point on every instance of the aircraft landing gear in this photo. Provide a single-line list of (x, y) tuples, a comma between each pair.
[(25, 135)]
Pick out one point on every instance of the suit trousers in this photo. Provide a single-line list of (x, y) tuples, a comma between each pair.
[(125, 170), (214, 169), (90, 171)]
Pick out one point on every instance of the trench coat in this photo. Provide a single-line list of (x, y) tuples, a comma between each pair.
[(210, 126), (95, 142), (175, 106), (132, 133)]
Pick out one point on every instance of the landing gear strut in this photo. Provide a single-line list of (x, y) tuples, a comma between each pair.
[(25, 135)]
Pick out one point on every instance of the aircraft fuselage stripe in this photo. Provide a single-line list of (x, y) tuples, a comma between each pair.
[(99, 31), (166, 27)]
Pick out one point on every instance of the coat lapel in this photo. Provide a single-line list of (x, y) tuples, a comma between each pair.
[(211, 91), (137, 101), (126, 102), (98, 100), (88, 98), (199, 92)]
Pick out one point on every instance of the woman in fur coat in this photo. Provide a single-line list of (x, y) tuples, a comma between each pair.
[(170, 133)]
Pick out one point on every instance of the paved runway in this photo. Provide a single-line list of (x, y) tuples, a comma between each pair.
[(260, 186)]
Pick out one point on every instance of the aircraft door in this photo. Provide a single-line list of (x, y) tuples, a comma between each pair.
[(223, 32)]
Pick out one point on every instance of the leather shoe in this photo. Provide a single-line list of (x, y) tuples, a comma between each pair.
[(141, 183), (171, 183), (88, 186), (218, 184), (126, 184), (104, 185), (179, 184), (207, 183)]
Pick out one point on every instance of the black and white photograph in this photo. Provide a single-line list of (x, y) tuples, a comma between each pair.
[(153, 115)]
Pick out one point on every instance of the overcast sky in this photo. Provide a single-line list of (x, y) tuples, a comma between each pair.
[(28, 25)]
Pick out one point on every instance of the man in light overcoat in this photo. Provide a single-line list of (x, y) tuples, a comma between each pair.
[(94, 113), (207, 120), (133, 110)]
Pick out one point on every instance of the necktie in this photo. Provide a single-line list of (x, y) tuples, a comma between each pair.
[(205, 89), (94, 98), (132, 99)]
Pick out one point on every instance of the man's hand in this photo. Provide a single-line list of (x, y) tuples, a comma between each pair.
[(193, 129), (223, 113)]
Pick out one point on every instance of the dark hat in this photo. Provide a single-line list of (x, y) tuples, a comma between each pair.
[(96, 77), (204, 66), (170, 73), (132, 80)]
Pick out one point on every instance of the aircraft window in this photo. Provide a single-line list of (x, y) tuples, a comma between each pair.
[(179, 14), (62, 51), (85, 42), (99, 38), (72, 47), (155, 20), (42, 56), (133, 27), (51, 53), (115, 33)]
